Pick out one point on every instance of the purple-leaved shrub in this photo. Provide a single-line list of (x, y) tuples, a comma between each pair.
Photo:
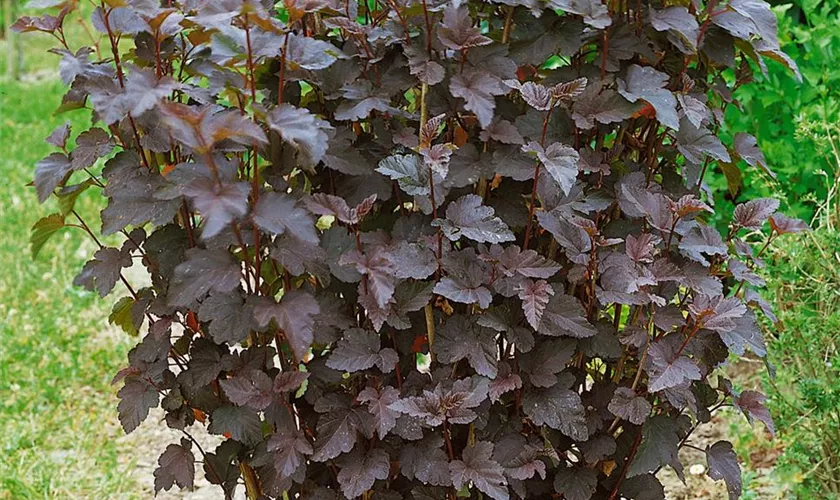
[(406, 249)]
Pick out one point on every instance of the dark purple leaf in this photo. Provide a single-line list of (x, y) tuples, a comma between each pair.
[(426, 461), (120, 20), (695, 143), (559, 160), (467, 217), (431, 129), (667, 367), (90, 146), (201, 128), (681, 26), (290, 448), (252, 389), (625, 404), (428, 72), (559, 408), (746, 147), (300, 128), (143, 90), (289, 381), (278, 213), (464, 291), (299, 257), (502, 131), (384, 418), (723, 464), (512, 260), (598, 448), (542, 365), (568, 90), (537, 96), (325, 204), (576, 483), (640, 248), (535, 296), (378, 270), (564, 317), (477, 467), (658, 447), (573, 239), (131, 192), (243, 424), (175, 466), (745, 334), (717, 313), (103, 271), (359, 350), (202, 272), (702, 240), (644, 82), (295, 315), (504, 382), (361, 99), (477, 88), (337, 432), (643, 487), (408, 171), (783, 224), (360, 470), (754, 213), (751, 404), (219, 204), (59, 136), (45, 23), (137, 397), (694, 109), (603, 106), (752, 297), (520, 459), (594, 13), (460, 338), (231, 319), (456, 30), (437, 157), (50, 173), (207, 361), (411, 260), (310, 53)]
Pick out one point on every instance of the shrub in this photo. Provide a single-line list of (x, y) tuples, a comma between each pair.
[(793, 119), (804, 394), (420, 250)]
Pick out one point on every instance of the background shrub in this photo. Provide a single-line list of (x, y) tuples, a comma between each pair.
[(805, 398), (421, 249), (793, 120)]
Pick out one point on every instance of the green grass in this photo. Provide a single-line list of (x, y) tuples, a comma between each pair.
[(58, 420)]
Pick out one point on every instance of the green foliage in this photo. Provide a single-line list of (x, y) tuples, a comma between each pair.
[(792, 120), (805, 396)]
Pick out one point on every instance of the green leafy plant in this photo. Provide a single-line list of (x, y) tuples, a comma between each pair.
[(805, 342), (790, 118), (420, 249)]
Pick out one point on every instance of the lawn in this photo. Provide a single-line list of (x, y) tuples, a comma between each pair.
[(57, 353)]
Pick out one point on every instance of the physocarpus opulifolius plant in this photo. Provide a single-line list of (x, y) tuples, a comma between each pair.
[(420, 250)]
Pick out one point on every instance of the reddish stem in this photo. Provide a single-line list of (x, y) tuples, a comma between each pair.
[(533, 204)]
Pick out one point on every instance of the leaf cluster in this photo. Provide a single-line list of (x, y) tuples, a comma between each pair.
[(420, 250)]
